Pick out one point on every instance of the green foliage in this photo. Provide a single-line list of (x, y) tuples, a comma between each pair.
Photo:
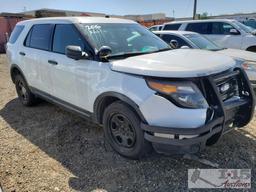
[(204, 15)]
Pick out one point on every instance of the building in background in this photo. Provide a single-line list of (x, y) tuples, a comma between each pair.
[(59, 13), (7, 23), (146, 20), (238, 16), (149, 20)]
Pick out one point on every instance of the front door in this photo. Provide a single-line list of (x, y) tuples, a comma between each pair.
[(64, 71), (220, 34)]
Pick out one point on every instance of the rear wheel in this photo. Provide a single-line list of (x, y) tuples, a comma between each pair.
[(26, 97), (122, 131)]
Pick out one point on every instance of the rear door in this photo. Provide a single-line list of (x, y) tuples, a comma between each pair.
[(34, 57)]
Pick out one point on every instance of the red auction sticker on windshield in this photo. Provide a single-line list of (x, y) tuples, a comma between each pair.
[(219, 178)]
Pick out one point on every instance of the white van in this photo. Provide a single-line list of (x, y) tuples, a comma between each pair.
[(224, 32)]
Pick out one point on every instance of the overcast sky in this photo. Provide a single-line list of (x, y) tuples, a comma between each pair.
[(180, 8)]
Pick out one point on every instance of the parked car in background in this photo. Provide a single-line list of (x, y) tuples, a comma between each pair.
[(224, 32), (250, 23), (186, 39), (156, 28), (131, 82)]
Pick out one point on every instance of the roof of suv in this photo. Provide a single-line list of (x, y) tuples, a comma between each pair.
[(200, 21), (76, 20)]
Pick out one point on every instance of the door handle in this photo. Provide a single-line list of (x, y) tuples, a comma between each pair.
[(53, 62), (22, 53)]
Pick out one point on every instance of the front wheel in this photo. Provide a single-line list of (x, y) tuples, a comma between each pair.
[(122, 131)]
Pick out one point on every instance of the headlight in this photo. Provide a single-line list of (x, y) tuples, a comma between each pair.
[(249, 66), (183, 94)]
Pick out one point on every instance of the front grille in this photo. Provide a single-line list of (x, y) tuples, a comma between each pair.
[(227, 84)]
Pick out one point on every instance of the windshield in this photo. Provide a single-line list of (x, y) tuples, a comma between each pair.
[(202, 42), (243, 27), (123, 38), (250, 23)]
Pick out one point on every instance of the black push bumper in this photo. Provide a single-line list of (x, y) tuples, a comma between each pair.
[(225, 115), (191, 145)]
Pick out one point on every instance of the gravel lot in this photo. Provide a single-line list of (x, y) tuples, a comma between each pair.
[(44, 148)]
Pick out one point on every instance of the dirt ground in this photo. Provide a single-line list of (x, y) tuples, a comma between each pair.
[(45, 148)]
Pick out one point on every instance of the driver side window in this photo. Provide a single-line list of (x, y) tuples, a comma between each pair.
[(220, 28), (64, 35)]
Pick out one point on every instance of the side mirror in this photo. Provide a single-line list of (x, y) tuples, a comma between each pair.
[(234, 32), (104, 52), (75, 52), (174, 44)]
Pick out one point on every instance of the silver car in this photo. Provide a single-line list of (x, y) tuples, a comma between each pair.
[(185, 39)]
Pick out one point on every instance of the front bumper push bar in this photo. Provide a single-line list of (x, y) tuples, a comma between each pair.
[(237, 113)]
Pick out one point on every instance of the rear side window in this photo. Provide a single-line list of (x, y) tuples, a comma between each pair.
[(202, 28), (174, 27), (39, 36), (16, 33), (66, 34)]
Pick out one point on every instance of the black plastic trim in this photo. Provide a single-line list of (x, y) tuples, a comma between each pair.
[(183, 131), (183, 142), (98, 104), (61, 103), (15, 66)]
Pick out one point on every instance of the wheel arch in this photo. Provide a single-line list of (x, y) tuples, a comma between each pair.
[(15, 69), (107, 98)]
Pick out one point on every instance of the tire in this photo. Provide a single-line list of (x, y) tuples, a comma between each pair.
[(122, 131), (26, 97)]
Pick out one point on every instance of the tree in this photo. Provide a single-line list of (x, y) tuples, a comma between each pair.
[(204, 15)]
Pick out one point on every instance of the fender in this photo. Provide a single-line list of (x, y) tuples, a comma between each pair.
[(98, 107)]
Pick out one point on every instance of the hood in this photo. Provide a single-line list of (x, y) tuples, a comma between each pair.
[(239, 54), (177, 63)]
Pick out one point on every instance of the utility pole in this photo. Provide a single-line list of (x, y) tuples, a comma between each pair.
[(194, 12)]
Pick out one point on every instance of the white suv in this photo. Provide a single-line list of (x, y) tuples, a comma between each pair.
[(128, 80), (224, 32)]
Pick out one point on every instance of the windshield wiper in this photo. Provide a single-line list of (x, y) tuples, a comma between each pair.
[(125, 55), (130, 54)]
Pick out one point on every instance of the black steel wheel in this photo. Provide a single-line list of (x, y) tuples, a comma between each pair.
[(122, 131)]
